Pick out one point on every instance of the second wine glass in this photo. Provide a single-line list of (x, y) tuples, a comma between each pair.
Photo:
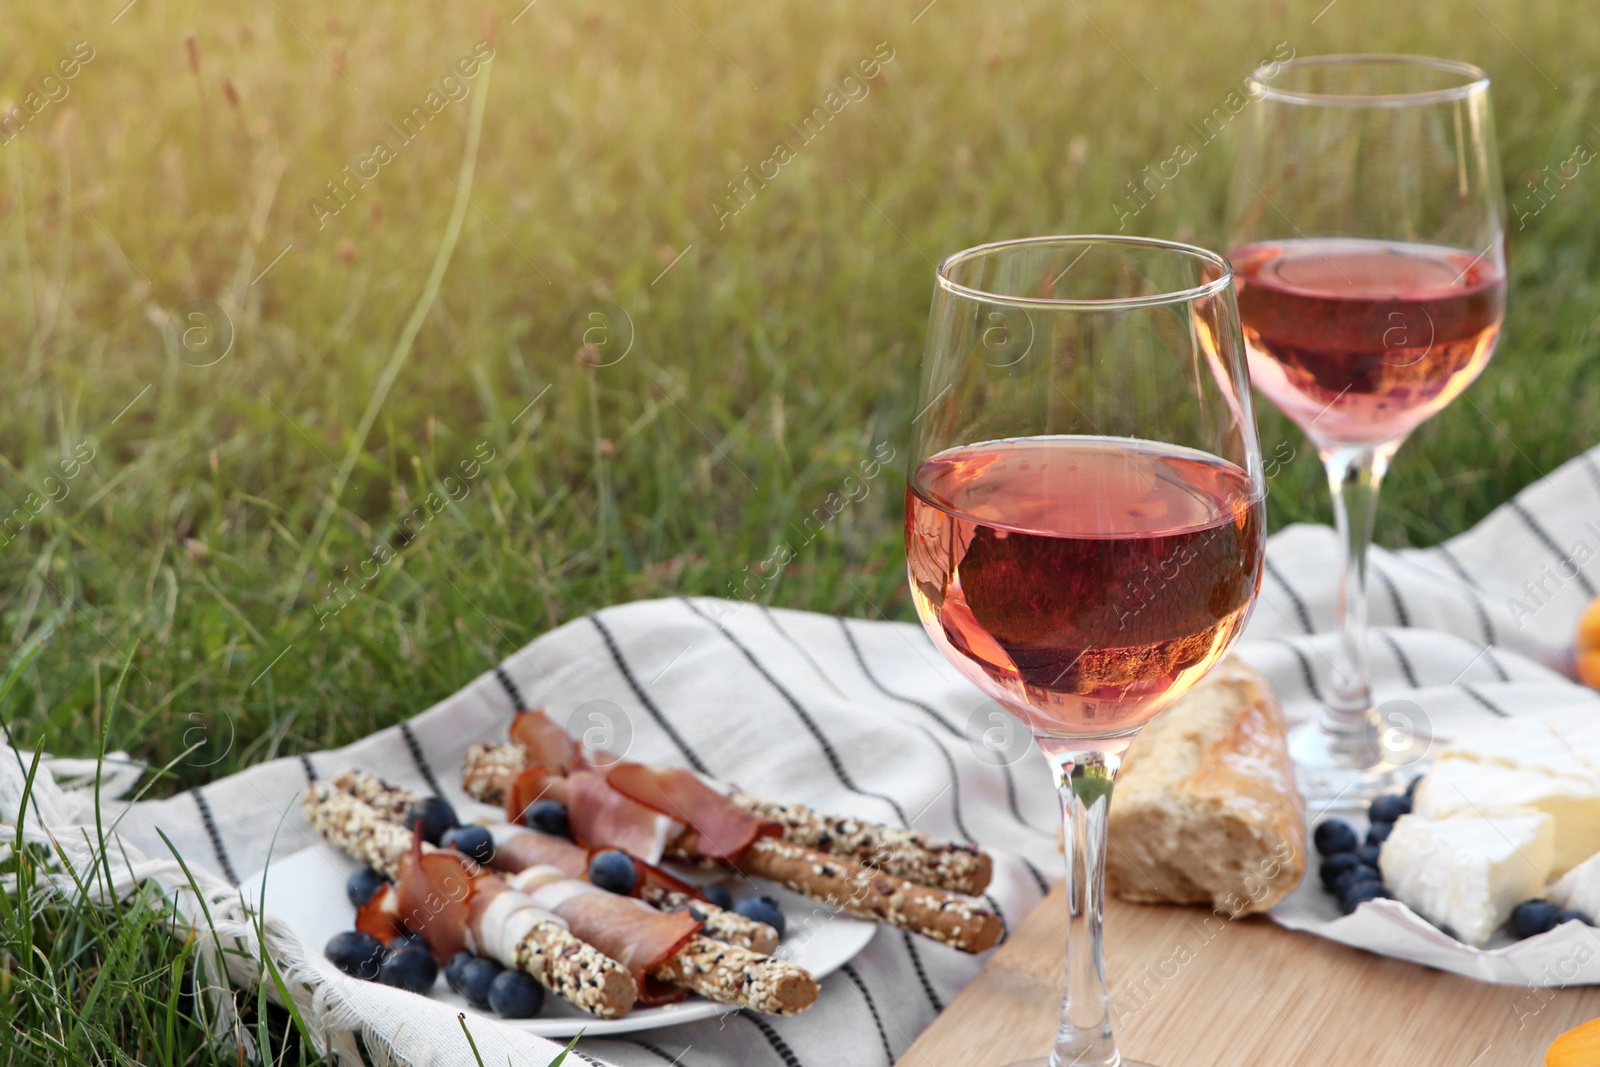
[(1367, 229)]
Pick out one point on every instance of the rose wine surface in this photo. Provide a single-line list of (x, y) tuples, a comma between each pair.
[(1083, 582), (1361, 341)]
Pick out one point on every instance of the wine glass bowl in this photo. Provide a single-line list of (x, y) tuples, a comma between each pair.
[(1084, 529), (1367, 226)]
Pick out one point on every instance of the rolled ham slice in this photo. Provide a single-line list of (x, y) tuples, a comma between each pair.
[(516, 849), (603, 817), (722, 829)]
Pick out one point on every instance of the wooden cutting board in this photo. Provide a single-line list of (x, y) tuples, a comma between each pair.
[(1245, 993)]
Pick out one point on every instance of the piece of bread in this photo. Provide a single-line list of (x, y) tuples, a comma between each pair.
[(1205, 809)]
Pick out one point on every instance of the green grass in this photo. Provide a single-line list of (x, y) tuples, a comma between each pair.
[(195, 551)]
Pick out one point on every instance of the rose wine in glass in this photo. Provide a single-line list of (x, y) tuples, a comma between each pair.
[(1084, 518), (1057, 602), (1367, 228), (1362, 339)]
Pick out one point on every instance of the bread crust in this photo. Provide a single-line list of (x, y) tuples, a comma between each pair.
[(1206, 810)]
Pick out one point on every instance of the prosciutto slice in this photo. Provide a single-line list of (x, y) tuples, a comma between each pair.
[(531, 784), (722, 828), (545, 742), (628, 930), (517, 850), (380, 916), (433, 896), (602, 817)]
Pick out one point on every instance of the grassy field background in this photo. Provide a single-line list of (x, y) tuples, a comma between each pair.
[(256, 384)]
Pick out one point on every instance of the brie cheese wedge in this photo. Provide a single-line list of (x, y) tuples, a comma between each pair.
[(1553, 745), (1461, 787), (1468, 872)]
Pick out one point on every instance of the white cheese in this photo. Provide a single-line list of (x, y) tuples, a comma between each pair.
[(1550, 745), (1472, 788), (1579, 888), (1468, 872), (1582, 735)]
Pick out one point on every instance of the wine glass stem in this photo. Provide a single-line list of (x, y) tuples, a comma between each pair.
[(1354, 476), (1084, 777)]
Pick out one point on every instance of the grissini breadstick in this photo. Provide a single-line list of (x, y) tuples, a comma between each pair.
[(577, 972), (909, 854), (873, 894), (838, 882), (731, 974), (517, 848)]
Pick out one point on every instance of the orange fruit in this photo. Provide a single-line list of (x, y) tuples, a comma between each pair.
[(1587, 646), (1576, 1048)]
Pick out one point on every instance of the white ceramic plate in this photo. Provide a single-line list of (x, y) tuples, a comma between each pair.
[(306, 891)]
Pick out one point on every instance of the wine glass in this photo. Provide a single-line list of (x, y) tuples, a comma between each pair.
[(1367, 227), (1084, 529)]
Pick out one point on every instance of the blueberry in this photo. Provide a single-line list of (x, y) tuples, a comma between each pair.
[(1335, 865), (412, 968), (614, 871), (1568, 915), (514, 995), (1379, 832), (548, 816), (364, 885), (453, 969), (1358, 894), (1533, 917), (1411, 790), (1355, 876), (1335, 835), (355, 953), (762, 909), (473, 841), (1389, 808), (719, 895), (1368, 854), (436, 816), (476, 977), (406, 939)]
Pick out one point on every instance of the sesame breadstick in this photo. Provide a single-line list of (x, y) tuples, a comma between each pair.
[(394, 802), (907, 854), (873, 894), (734, 975), (574, 970), (354, 828), (488, 769)]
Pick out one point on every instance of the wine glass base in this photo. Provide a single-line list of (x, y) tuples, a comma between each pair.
[(1334, 772), (1124, 1062)]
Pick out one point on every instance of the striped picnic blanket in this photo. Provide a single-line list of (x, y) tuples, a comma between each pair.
[(863, 717)]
